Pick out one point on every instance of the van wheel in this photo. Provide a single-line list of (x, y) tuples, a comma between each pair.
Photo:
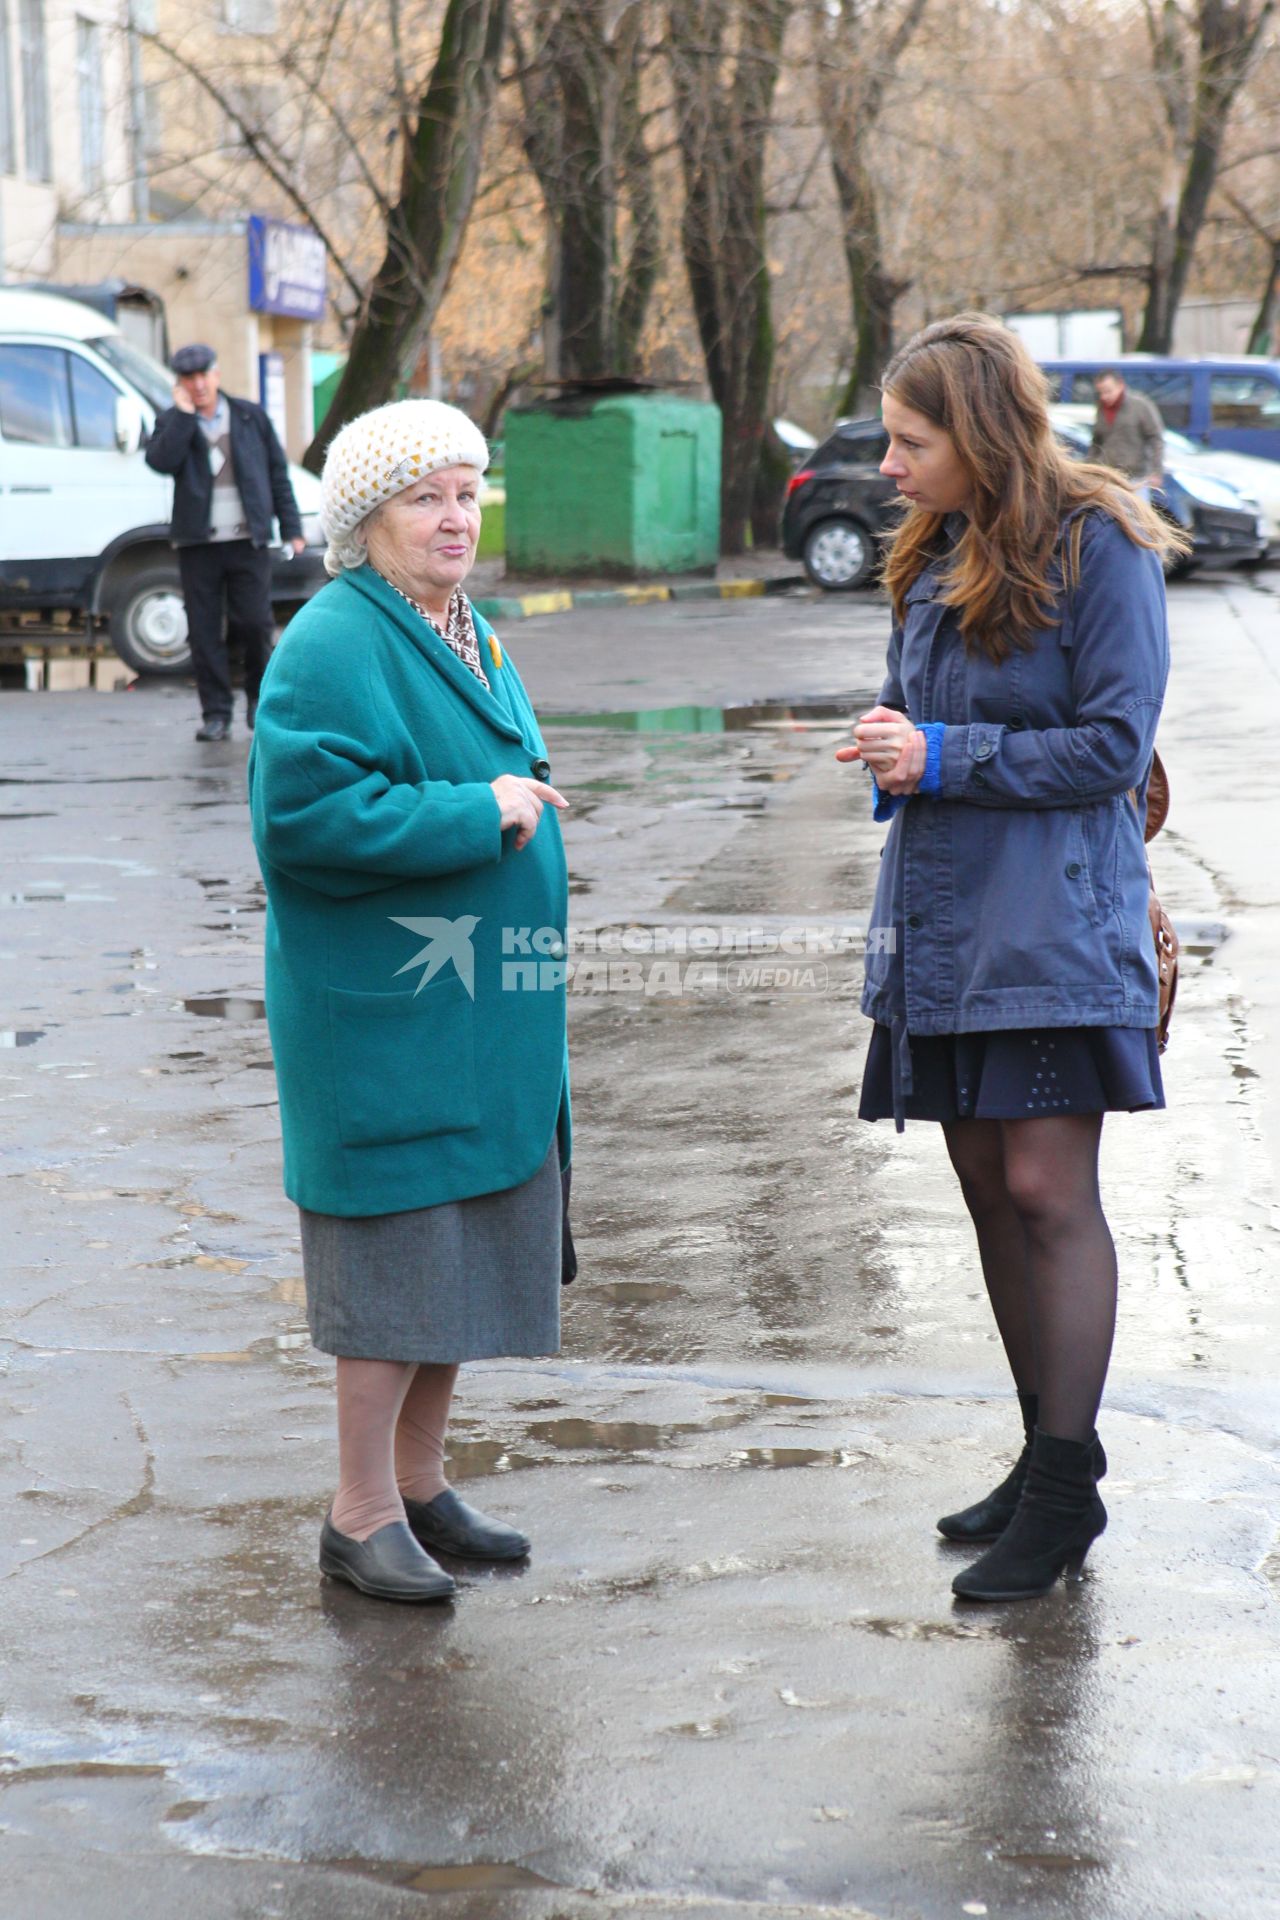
[(148, 621), (838, 555)]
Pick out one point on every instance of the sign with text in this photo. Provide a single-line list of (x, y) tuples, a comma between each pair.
[(286, 269)]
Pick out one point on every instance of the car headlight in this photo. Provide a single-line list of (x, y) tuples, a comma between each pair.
[(1209, 491)]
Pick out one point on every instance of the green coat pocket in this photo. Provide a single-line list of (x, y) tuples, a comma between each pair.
[(404, 1064)]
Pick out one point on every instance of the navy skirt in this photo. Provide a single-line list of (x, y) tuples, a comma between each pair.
[(1016, 1074)]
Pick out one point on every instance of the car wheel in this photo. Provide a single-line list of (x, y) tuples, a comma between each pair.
[(148, 621), (838, 555)]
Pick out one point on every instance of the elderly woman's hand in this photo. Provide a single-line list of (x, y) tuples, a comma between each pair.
[(891, 746), (522, 802)]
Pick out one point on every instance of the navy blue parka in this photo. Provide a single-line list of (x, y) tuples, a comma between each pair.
[(1015, 895)]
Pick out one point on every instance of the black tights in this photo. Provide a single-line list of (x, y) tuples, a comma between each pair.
[(1031, 1187)]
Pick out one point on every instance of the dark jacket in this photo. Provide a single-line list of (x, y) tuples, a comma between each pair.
[(1017, 897), (178, 446), (1133, 441)]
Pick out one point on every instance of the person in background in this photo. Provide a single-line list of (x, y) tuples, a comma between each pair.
[(1128, 433), (230, 480)]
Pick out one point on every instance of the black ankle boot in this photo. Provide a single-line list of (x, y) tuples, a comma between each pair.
[(1059, 1517), (988, 1517)]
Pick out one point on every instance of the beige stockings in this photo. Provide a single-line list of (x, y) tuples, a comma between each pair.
[(392, 1420)]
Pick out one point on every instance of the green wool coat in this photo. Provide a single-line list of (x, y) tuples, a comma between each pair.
[(416, 1064)]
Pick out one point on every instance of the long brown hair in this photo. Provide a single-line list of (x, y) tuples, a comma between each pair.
[(976, 380)]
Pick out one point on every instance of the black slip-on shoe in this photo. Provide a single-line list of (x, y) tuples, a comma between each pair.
[(250, 713), (449, 1525), (215, 728), (389, 1565)]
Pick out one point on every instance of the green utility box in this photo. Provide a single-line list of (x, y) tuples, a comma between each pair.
[(619, 483)]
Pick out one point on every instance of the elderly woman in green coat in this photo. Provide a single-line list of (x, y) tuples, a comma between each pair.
[(408, 837)]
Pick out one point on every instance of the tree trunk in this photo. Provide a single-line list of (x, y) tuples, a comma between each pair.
[(857, 52), (584, 140), (584, 192), (1263, 331), (440, 167), (723, 125), (873, 294), (1228, 33)]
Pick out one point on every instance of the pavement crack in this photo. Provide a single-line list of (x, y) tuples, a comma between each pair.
[(138, 1502)]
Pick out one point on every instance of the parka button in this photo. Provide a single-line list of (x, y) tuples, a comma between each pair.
[(1016, 723), (914, 922), (1073, 869), (541, 769), (980, 779), (983, 750)]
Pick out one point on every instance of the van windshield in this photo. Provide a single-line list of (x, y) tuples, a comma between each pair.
[(139, 369)]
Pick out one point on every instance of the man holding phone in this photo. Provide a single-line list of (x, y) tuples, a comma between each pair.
[(230, 480)]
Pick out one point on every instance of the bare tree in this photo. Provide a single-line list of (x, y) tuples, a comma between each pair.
[(857, 47), (723, 102), (442, 139), (584, 137), (1200, 66)]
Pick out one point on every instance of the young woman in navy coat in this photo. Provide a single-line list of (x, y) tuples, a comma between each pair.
[(1012, 981)]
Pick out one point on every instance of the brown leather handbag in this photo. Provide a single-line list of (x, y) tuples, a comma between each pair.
[(1162, 933)]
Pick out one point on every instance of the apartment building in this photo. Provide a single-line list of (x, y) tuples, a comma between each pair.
[(116, 164)]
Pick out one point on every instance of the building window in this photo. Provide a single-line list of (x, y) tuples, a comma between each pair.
[(8, 157), (38, 162), (92, 114)]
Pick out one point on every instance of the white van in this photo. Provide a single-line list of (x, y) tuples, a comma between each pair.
[(83, 519)]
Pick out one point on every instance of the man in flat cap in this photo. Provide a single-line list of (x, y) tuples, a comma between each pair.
[(230, 479)]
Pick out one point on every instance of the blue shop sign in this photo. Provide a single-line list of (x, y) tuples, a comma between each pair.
[(286, 269)]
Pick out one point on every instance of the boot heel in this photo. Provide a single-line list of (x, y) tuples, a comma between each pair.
[(1073, 1565)]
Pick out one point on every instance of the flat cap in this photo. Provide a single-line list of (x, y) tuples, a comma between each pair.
[(196, 358)]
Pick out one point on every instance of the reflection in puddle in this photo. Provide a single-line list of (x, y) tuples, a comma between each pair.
[(798, 714), (795, 1457), (21, 1036), (626, 1436), (480, 1876), (473, 1459), (232, 1007), (635, 1293)]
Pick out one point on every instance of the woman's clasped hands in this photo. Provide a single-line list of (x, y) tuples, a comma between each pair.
[(891, 746)]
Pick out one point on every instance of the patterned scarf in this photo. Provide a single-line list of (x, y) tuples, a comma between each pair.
[(458, 631)]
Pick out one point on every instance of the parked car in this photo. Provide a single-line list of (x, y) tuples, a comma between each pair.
[(839, 507), (83, 519), (1228, 405), (1257, 481), (1226, 528)]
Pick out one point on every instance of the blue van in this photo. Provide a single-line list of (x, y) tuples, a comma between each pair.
[(1234, 404)]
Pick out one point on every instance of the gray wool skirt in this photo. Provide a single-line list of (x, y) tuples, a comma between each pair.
[(468, 1280)]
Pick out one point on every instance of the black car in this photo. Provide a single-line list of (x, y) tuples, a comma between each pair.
[(839, 507)]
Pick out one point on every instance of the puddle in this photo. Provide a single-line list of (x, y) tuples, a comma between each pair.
[(231, 1007), (916, 1629), (473, 1459), (638, 1293), (795, 1457), (483, 1876), (798, 715), (1053, 1862), (21, 1036), (610, 1436)]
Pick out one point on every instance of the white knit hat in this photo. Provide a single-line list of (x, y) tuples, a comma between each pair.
[(378, 455)]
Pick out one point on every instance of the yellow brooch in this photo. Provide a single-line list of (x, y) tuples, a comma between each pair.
[(495, 651)]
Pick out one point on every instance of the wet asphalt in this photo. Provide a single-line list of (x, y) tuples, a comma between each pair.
[(732, 1680)]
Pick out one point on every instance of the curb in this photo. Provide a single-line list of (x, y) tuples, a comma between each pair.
[(530, 605)]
